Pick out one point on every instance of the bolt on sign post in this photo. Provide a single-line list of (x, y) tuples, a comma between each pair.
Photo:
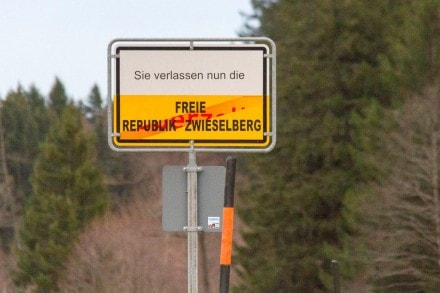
[(191, 95), (164, 93)]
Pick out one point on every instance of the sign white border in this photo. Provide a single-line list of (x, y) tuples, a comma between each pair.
[(192, 43)]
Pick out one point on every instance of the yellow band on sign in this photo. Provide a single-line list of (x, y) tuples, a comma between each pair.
[(201, 94), (167, 119)]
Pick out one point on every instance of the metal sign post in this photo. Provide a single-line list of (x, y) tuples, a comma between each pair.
[(192, 227), (217, 94)]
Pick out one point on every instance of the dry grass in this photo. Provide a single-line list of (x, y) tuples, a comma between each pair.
[(127, 251), (5, 265)]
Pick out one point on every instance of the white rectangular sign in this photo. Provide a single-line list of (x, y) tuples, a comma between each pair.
[(195, 72), (210, 95)]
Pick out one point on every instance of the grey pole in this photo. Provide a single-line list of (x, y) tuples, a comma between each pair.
[(335, 272), (192, 227)]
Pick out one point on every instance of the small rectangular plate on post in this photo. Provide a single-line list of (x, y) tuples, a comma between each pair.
[(210, 198)]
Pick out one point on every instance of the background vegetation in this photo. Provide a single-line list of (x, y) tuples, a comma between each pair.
[(354, 176)]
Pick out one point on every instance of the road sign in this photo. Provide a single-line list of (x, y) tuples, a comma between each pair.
[(218, 94), (210, 198)]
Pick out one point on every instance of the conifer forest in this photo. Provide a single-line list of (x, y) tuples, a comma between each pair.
[(354, 177)]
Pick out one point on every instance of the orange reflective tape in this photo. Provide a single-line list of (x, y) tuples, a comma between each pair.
[(227, 231)]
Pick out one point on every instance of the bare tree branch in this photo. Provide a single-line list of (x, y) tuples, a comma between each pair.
[(410, 255)]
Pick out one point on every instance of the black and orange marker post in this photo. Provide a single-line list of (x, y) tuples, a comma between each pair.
[(228, 226)]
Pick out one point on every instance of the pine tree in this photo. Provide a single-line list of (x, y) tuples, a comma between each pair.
[(58, 98), (119, 168), (95, 103), (25, 120), (68, 166), (46, 238), (68, 192), (95, 113), (333, 62), (408, 258)]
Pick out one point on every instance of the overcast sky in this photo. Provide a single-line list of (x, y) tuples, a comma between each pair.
[(44, 39)]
